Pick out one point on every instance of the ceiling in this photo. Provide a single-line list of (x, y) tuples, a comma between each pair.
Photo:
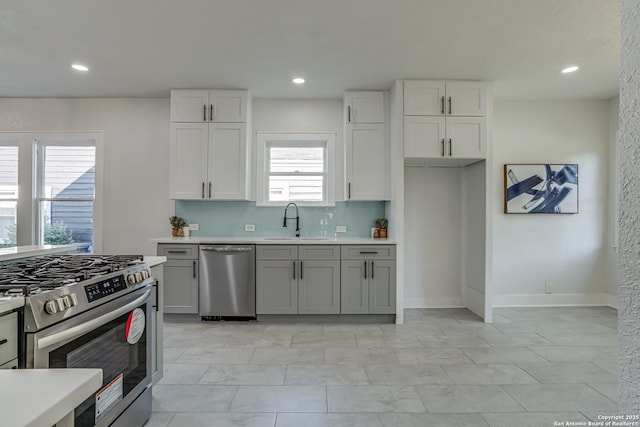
[(143, 48)]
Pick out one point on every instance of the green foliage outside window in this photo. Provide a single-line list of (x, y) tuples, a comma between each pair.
[(54, 234)]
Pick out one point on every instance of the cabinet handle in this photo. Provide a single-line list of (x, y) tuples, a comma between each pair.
[(349, 191), (449, 105), (301, 271), (3, 341), (155, 285), (349, 114), (194, 269), (294, 269), (449, 147), (442, 105), (176, 252), (204, 113), (209, 189), (211, 113), (368, 252), (365, 269), (372, 270), (442, 147), (203, 189)]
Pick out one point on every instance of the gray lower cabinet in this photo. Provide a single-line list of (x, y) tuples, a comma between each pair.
[(180, 278), (368, 280), (293, 279), (9, 340), (157, 364)]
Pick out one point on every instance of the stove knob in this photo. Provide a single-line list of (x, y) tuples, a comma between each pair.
[(138, 277), (131, 279), (145, 274), (60, 302), (51, 307), (68, 303), (74, 299)]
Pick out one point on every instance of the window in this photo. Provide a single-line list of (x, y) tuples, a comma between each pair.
[(8, 193), (50, 189), (295, 168)]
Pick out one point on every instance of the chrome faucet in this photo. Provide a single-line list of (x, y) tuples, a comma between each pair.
[(284, 224)]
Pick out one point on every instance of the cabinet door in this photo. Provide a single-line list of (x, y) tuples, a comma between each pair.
[(382, 286), (227, 161), (181, 286), (189, 106), (319, 287), (466, 99), (424, 98), (354, 287), (157, 340), (364, 107), (424, 136), (366, 162), (8, 337), (188, 146), (466, 137), (229, 106), (277, 287)]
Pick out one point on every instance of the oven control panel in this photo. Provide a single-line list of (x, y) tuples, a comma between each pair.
[(105, 288)]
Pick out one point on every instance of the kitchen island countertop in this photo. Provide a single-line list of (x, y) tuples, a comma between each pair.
[(18, 252), (52, 394)]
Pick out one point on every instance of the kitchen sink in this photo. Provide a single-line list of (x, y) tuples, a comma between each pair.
[(281, 238), (295, 238)]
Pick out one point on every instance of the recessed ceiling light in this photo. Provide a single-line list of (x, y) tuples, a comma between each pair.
[(298, 80), (570, 69), (79, 67)]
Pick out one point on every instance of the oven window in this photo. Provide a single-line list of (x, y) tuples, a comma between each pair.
[(107, 348)]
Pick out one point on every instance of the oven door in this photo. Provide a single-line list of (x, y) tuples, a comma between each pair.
[(115, 337)]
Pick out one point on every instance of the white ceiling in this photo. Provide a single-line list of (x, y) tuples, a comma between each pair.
[(143, 48)]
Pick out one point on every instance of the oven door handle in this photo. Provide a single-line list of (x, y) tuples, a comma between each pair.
[(76, 331)]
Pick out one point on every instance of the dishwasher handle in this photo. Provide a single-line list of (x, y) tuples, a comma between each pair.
[(226, 248)]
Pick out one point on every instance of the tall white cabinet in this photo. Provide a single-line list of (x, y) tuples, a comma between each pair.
[(443, 192), (209, 141), (366, 148)]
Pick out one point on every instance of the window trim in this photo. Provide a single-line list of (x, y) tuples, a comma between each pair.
[(28, 209), (279, 139)]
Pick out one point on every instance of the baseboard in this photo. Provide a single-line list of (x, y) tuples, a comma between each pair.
[(433, 302), (612, 301), (554, 300)]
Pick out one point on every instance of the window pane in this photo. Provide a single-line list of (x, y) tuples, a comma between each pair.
[(68, 222), (296, 159), (8, 221), (69, 172), (8, 195), (296, 188)]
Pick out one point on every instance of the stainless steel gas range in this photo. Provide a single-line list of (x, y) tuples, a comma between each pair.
[(89, 311)]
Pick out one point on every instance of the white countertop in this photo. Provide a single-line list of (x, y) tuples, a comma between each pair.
[(17, 252), (152, 261), (10, 303), (276, 240), (51, 394)]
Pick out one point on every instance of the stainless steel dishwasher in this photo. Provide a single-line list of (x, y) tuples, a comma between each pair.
[(227, 281)]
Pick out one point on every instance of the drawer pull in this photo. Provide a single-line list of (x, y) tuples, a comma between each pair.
[(176, 252), (3, 341), (368, 252)]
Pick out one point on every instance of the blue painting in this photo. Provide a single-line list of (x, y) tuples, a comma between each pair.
[(541, 188)]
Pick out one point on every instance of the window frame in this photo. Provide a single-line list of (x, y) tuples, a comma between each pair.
[(265, 140), (28, 230)]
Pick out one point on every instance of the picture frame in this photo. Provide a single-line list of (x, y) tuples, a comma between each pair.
[(533, 188)]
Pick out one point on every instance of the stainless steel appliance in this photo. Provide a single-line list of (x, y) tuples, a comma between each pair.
[(86, 311), (227, 284)]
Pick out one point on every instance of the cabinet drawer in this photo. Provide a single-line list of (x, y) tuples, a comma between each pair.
[(172, 251), (8, 332), (319, 252), (277, 252), (369, 252)]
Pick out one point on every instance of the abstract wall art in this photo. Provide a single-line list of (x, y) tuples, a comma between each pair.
[(541, 188)]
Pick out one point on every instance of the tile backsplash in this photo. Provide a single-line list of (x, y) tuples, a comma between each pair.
[(227, 218)]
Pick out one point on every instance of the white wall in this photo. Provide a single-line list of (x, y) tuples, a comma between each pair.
[(567, 250), (611, 247), (136, 146)]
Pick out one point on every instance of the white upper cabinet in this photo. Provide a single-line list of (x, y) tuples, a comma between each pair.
[(364, 107), (439, 137), (440, 98), (366, 149), (201, 105), (209, 159)]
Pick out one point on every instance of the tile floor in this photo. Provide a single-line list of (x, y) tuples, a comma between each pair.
[(443, 367)]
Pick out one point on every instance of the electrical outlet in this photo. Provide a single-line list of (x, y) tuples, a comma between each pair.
[(249, 227), (547, 287), (341, 228), (194, 227)]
